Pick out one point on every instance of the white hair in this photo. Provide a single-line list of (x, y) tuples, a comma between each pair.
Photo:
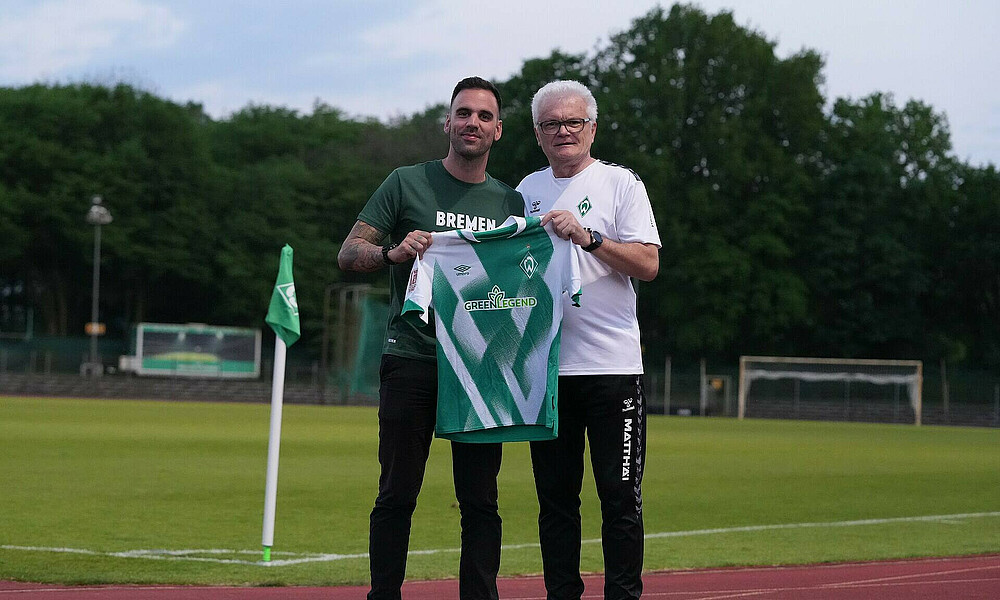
[(561, 89)]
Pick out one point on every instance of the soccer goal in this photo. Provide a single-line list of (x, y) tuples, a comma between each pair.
[(830, 388)]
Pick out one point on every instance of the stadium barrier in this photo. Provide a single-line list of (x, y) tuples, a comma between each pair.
[(691, 389), (50, 367), (164, 388)]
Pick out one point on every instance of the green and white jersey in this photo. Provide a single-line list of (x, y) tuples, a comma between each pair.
[(498, 311)]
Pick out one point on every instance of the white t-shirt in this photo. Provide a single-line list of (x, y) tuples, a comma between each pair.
[(602, 336), (498, 313)]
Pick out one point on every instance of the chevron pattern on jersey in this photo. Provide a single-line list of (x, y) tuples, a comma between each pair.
[(498, 329)]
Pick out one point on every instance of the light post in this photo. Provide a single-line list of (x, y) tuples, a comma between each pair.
[(97, 215)]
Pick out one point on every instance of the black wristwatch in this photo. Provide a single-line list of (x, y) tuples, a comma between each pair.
[(385, 254), (596, 239)]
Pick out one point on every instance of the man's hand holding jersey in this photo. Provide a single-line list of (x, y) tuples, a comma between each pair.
[(413, 245)]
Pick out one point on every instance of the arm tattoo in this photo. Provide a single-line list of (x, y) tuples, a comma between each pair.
[(362, 250)]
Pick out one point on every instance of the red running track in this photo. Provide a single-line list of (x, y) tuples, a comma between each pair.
[(967, 578)]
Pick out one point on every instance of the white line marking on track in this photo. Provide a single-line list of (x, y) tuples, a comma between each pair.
[(930, 518), (99, 588), (725, 594), (911, 576), (296, 558)]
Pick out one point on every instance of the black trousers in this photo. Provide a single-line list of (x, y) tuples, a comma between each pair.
[(610, 411), (406, 417)]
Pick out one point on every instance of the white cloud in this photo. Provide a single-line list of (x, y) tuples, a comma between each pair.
[(495, 40), (62, 34), (403, 58), (426, 51)]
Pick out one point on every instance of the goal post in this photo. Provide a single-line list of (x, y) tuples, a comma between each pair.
[(903, 374)]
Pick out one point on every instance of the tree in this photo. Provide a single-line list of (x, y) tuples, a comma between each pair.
[(725, 134), (964, 261), (144, 155), (517, 153), (887, 175)]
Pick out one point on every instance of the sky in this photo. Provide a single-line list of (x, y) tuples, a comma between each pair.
[(386, 58)]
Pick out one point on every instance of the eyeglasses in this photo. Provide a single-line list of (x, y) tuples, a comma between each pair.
[(572, 126)]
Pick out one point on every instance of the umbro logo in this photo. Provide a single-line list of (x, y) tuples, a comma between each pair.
[(462, 270)]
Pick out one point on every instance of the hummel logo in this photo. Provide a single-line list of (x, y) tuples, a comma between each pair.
[(534, 205), (462, 270)]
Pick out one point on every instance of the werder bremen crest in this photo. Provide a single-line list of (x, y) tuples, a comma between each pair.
[(584, 206), (288, 295), (528, 265)]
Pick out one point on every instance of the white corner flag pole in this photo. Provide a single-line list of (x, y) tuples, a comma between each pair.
[(273, 444)]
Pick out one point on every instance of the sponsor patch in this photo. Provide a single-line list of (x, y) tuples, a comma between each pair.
[(498, 301)]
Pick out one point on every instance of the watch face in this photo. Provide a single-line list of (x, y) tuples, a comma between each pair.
[(596, 243)]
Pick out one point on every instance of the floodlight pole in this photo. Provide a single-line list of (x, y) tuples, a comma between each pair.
[(97, 215)]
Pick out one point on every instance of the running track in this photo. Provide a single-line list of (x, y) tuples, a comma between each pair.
[(967, 578)]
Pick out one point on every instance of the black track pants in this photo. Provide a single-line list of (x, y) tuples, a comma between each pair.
[(610, 411)]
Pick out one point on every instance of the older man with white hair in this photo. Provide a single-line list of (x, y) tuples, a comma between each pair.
[(605, 210)]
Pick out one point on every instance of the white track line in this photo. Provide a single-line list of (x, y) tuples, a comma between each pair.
[(300, 558), (932, 518), (97, 588), (728, 594), (898, 578)]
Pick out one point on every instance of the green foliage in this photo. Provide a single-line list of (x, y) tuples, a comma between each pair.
[(720, 129), (517, 153), (888, 182), (147, 159), (965, 269), (786, 228)]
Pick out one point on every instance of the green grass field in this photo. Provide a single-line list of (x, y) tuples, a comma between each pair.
[(110, 477)]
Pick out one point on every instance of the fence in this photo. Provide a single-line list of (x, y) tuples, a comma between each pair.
[(951, 397), (50, 366)]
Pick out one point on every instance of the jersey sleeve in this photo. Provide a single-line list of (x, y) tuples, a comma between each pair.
[(634, 218), (382, 209), (419, 290)]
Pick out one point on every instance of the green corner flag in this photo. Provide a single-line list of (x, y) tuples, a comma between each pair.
[(283, 317), (283, 314)]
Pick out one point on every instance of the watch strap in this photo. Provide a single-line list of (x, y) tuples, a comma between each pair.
[(385, 254), (596, 241)]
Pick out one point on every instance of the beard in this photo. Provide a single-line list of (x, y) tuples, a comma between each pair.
[(470, 151)]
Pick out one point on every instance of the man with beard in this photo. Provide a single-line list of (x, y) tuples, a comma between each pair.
[(393, 228)]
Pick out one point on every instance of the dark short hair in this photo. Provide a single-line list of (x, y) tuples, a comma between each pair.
[(477, 83)]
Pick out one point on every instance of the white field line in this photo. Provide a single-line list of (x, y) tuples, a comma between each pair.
[(294, 558)]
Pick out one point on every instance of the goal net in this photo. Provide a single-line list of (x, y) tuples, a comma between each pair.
[(830, 388)]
